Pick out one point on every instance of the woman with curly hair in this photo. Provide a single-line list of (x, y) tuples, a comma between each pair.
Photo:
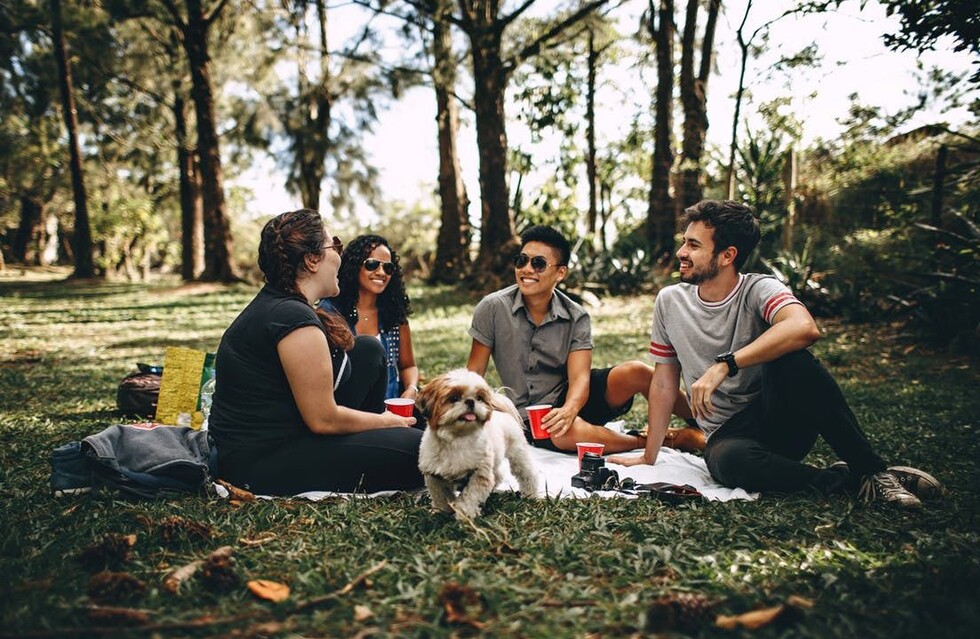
[(373, 301), (278, 425)]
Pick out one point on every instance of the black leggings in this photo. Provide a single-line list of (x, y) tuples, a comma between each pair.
[(367, 461), (761, 448)]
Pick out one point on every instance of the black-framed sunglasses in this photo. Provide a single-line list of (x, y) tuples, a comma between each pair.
[(337, 245), (538, 263), (371, 264)]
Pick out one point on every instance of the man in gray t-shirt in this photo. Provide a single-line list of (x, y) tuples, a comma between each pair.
[(541, 344), (739, 342)]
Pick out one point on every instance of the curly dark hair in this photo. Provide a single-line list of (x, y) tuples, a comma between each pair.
[(287, 240), (394, 306)]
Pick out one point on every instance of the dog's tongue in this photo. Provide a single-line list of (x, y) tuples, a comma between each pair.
[(470, 417)]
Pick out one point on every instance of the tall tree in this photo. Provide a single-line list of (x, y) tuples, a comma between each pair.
[(694, 100), (484, 23), (82, 237), (660, 212), (193, 28), (453, 244)]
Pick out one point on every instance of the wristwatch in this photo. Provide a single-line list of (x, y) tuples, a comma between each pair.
[(729, 359)]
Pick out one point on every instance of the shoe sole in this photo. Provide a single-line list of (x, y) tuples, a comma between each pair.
[(67, 492), (918, 482)]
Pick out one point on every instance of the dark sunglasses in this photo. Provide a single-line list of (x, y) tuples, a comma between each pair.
[(337, 245), (372, 265), (538, 263)]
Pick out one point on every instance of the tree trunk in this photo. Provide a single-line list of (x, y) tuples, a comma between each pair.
[(312, 138), (24, 249), (84, 264), (497, 239), (789, 198), (452, 259), (191, 203), (694, 99), (660, 214), (590, 158), (743, 46), (937, 187), (218, 264)]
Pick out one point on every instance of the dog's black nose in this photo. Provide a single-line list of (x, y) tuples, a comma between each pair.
[(470, 404)]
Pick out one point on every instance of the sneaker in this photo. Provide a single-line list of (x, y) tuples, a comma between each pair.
[(918, 482), (885, 487)]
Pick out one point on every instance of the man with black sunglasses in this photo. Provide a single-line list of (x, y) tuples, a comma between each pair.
[(541, 344)]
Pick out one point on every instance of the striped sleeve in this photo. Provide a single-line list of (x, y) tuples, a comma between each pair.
[(775, 302), (661, 350)]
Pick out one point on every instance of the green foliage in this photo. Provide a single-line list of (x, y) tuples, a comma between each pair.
[(543, 568)]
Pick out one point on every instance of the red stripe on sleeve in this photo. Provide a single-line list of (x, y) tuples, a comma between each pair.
[(775, 302), (662, 350)]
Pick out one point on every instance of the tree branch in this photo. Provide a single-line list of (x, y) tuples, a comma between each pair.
[(506, 20), (175, 14), (539, 43), (215, 12)]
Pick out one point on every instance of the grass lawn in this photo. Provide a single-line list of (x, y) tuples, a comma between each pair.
[(548, 568)]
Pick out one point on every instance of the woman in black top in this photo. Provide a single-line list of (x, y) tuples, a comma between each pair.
[(277, 425)]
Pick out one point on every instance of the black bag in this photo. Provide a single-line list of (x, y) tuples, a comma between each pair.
[(138, 392)]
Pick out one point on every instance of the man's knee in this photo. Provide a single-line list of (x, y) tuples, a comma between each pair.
[(630, 378), (735, 461)]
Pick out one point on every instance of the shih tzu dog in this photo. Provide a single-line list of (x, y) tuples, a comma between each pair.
[(471, 430)]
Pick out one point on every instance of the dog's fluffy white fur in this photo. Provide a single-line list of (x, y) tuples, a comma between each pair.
[(471, 430)]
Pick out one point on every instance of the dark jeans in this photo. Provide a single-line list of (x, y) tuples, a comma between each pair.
[(761, 448), (368, 461)]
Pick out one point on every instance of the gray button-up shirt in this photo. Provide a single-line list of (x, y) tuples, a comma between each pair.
[(531, 359)]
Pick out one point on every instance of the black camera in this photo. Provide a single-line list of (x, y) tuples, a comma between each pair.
[(593, 474)]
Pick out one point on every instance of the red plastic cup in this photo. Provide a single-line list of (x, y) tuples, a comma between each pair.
[(535, 414), (588, 447), (400, 406)]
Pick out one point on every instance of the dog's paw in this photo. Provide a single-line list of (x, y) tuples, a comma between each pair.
[(466, 513)]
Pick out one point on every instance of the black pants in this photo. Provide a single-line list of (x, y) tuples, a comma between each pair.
[(761, 448), (368, 381), (368, 461)]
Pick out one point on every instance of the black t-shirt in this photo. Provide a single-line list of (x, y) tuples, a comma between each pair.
[(253, 403)]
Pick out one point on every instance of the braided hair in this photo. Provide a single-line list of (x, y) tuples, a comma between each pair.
[(393, 303), (287, 240)]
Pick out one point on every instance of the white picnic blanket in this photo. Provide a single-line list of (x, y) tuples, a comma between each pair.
[(555, 472)]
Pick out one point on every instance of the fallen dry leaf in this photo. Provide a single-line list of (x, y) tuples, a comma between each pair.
[(751, 620), (259, 540), (118, 616), (236, 493), (362, 613), (269, 590), (455, 599)]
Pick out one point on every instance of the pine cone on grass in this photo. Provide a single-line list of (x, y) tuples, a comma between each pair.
[(680, 611)]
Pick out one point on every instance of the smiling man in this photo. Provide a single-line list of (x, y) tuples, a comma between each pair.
[(541, 344), (739, 341)]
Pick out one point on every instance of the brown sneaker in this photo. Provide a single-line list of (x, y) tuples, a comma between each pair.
[(688, 439)]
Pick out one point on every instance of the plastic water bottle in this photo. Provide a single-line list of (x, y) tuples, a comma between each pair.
[(207, 398)]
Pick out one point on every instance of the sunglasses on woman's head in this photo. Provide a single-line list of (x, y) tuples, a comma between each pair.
[(371, 264), (538, 263)]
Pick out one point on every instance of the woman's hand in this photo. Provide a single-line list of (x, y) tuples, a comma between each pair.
[(395, 421), (411, 392)]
